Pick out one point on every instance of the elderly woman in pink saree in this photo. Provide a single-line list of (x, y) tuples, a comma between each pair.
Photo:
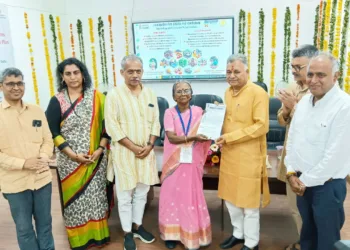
[(183, 213)]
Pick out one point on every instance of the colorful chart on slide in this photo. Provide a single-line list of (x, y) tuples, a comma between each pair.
[(188, 49)]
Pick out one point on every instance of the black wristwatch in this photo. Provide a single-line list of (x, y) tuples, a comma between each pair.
[(150, 144)]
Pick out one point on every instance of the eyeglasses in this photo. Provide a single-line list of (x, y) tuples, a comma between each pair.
[(11, 85), (183, 91), (297, 68)]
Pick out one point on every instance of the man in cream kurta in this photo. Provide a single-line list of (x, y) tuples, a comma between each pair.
[(243, 174), (289, 98), (132, 121)]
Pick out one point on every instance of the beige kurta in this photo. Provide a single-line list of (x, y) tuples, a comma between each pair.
[(299, 92), (137, 118), (243, 175)]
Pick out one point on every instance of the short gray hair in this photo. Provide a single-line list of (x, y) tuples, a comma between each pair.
[(330, 57), (306, 50), (238, 57), (10, 72), (130, 57)]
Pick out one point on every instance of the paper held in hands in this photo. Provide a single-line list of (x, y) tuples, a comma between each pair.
[(212, 121)]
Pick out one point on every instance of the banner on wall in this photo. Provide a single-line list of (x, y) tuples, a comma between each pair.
[(6, 53)]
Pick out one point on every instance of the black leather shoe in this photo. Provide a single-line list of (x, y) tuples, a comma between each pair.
[(230, 242), (171, 244), (247, 248)]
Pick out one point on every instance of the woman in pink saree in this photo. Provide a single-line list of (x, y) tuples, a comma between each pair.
[(183, 212)]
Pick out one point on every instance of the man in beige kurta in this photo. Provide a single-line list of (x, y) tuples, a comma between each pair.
[(132, 121), (290, 97), (243, 176)]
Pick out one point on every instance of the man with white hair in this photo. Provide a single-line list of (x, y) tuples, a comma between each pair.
[(317, 160), (132, 121), (243, 174)]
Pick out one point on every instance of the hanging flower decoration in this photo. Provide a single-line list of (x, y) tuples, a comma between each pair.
[(101, 39), (332, 25), (336, 47), (47, 56), (286, 49), (60, 39), (320, 19), (347, 78), (249, 38), (298, 28), (93, 52), (112, 49), (54, 37), (327, 24), (126, 35), (213, 155), (323, 26), (242, 24), (72, 40), (261, 46), (81, 41), (35, 80), (273, 52), (344, 32), (316, 25)]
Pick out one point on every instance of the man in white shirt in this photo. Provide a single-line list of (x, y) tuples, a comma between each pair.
[(317, 160)]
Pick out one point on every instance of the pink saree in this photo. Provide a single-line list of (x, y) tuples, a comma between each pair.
[(183, 213)]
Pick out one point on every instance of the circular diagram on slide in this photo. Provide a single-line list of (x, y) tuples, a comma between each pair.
[(187, 53), (168, 54), (153, 64), (188, 70), (214, 61), (192, 62), (168, 71), (178, 54), (173, 63), (164, 63), (178, 71), (183, 62), (202, 62), (197, 53)]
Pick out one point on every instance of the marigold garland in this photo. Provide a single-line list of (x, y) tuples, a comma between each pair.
[(332, 25), (316, 25), (47, 56), (347, 78), (126, 35), (72, 45), (337, 37), (54, 37), (344, 33), (81, 40), (286, 49), (60, 39), (249, 38), (297, 29), (112, 48), (101, 38), (261, 46), (320, 19), (35, 80), (93, 52), (242, 24), (327, 25), (323, 26), (273, 52)]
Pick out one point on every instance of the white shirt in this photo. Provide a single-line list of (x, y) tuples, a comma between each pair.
[(319, 137)]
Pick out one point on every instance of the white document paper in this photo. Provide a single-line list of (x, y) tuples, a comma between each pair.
[(212, 121)]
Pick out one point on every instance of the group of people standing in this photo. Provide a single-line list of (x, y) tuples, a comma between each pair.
[(100, 140)]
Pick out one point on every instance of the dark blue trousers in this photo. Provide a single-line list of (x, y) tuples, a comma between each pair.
[(322, 211)]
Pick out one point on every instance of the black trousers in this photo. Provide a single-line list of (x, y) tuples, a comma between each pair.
[(322, 211)]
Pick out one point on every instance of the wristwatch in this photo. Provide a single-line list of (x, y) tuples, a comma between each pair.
[(150, 144)]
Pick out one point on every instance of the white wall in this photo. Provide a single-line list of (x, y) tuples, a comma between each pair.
[(140, 10)]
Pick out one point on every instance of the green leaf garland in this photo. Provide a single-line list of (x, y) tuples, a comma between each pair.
[(344, 32), (261, 46), (332, 25), (323, 24), (242, 24), (101, 38), (287, 40), (54, 37), (316, 24), (81, 40)]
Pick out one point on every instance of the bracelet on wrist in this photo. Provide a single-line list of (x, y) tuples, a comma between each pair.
[(101, 147), (290, 174), (150, 144)]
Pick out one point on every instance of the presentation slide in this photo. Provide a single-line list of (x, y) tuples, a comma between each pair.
[(187, 49)]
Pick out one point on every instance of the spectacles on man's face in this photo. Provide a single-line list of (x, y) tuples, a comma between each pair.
[(11, 85), (297, 68), (183, 91)]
